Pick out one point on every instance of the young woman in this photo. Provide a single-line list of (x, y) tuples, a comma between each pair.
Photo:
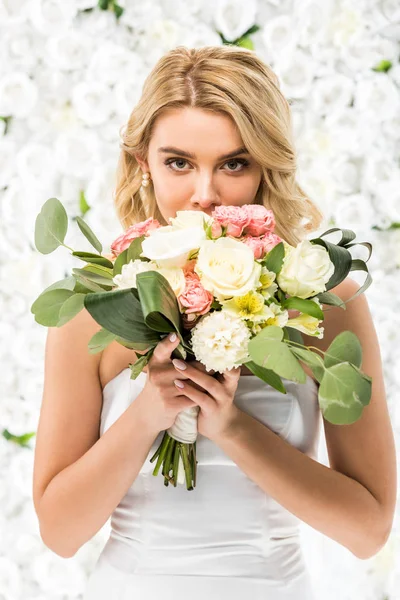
[(211, 128)]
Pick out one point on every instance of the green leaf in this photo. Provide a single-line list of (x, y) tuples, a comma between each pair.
[(21, 440), (341, 259), (275, 355), (92, 273), (359, 265), (100, 340), (266, 375), (345, 347), (383, 66), (138, 366), (89, 235), (68, 283), (51, 226), (83, 205), (135, 249), (347, 235), (331, 299), (83, 283), (273, 261), (305, 306), (89, 257), (47, 306), (312, 359), (120, 261), (119, 312), (343, 393), (158, 301), (245, 42), (71, 307), (292, 334), (132, 345), (271, 332)]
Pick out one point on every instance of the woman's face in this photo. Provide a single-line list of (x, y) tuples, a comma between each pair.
[(206, 178)]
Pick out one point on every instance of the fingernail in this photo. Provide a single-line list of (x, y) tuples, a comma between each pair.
[(172, 337), (179, 383), (179, 364)]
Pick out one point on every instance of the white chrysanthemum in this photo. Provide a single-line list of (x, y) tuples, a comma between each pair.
[(220, 341), (127, 277)]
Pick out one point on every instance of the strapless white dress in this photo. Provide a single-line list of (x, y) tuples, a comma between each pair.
[(227, 538)]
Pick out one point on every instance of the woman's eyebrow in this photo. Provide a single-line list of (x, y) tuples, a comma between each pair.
[(172, 150)]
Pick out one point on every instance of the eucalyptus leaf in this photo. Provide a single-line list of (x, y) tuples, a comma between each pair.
[(305, 306), (47, 306), (294, 335), (312, 359), (89, 257), (275, 355), (71, 307), (140, 346), (51, 226), (343, 393), (270, 332), (89, 235), (274, 258), (345, 347), (266, 375), (120, 312), (100, 340), (62, 284)]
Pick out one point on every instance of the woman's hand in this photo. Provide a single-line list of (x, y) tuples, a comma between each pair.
[(218, 415)]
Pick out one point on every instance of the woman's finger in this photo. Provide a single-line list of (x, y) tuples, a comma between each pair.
[(207, 382)]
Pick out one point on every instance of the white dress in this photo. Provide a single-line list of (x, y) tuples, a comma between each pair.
[(226, 538)]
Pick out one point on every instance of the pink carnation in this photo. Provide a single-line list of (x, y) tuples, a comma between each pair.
[(124, 240), (235, 218), (270, 240), (195, 298), (259, 219), (256, 244)]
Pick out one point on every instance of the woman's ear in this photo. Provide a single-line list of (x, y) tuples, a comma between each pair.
[(142, 163)]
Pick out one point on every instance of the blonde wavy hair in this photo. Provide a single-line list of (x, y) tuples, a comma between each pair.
[(235, 82)]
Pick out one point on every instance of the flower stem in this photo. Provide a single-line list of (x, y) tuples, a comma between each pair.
[(168, 454)]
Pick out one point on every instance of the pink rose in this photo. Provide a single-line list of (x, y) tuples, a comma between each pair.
[(124, 240), (260, 219), (195, 298), (256, 244), (270, 240), (216, 230), (235, 218)]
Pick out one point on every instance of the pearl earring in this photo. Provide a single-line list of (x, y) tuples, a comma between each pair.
[(145, 179)]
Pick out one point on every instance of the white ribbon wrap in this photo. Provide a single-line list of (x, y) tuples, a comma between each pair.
[(185, 427)]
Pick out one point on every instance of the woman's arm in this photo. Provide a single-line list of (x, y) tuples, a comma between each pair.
[(79, 479), (353, 501)]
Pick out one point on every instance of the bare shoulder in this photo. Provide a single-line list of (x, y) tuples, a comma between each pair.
[(350, 448), (72, 400)]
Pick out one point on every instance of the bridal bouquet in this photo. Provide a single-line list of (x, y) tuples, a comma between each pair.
[(225, 284)]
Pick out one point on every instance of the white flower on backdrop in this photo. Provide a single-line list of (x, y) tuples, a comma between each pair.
[(70, 76)]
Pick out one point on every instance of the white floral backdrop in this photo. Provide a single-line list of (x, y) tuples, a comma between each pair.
[(70, 73)]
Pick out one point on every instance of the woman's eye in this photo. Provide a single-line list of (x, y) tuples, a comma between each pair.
[(240, 161)]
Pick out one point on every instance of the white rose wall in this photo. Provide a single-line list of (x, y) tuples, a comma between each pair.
[(70, 74)]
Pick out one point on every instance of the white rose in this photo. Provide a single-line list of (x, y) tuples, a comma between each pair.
[(171, 247), (189, 218), (175, 277), (227, 268), (127, 277), (305, 271)]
